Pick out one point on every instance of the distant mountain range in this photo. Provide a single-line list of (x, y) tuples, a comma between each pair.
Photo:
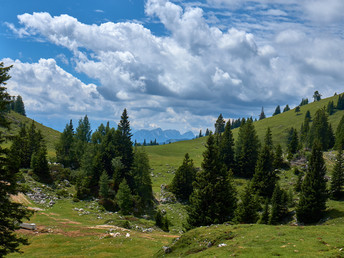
[(161, 136)]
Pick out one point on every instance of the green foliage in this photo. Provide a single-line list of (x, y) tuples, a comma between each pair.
[(213, 199), (104, 185), (65, 148), (321, 131), (340, 103), (18, 106), (247, 149), (124, 198), (40, 166), (278, 158), (316, 96), (293, 144), (279, 203), (226, 148), (313, 194), (330, 108), (247, 211), (262, 114), (181, 184), (268, 138), (265, 177), (337, 179), (277, 111), (10, 213), (339, 144), (219, 125), (297, 109), (161, 221), (264, 218), (305, 126), (287, 108), (304, 102)]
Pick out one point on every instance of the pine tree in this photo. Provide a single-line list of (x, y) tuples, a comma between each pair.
[(304, 102), (207, 132), (104, 185), (226, 148), (277, 111), (181, 184), (11, 214), (339, 143), (247, 211), (65, 153), (330, 108), (287, 108), (124, 198), (213, 199), (264, 219), (293, 144), (337, 180), (19, 150), (247, 149), (268, 138), (219, 125), (265, 177), (313, 194), (297, 109), (316, 96), (200, 134), (340, 103), (278, 158), (83, 131), (304, 131), (262, 114), (19, 106), (40, 166), (279, 206), (320, 130)]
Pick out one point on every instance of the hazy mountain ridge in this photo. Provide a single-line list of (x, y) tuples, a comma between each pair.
[(161, 136)]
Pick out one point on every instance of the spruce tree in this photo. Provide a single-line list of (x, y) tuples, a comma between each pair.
[(313, 194), (279, 206), (262, 114), (340, 103), (40, 166), (278, 158), (264, 219), (65, 148), (182, 181), (339, 142), (287, 108), (277, 111), (316, 96), (213, 199), (247, 149), (265, 177), (104, 185), (297, 109), (19, 106), (304, 102), (207, 132), (226, 148), (247, 211), (200, 134), (304, 131), (219, 125), (268, 138), (337, 179), (124, 198), (320, 130), (330, 108), (293, 144), (11, 214)]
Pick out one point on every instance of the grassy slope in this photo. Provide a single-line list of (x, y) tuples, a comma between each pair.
[(50, 135)]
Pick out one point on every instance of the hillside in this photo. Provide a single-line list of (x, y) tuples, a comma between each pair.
[(50, 135)]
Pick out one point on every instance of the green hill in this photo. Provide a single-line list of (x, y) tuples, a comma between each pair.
[(50, 135)]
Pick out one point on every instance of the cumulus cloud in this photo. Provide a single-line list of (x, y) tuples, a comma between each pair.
[(195, 71)]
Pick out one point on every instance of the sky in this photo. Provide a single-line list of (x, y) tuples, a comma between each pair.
[(172, 64)]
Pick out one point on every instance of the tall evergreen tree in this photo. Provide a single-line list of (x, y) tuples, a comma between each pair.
[(330, 108), (104, 185), (262, 114), (337, 180), (19, 106), (293, 143), (40, 166), (124, 198), (316, 96), (304, 131), (226, 147), (182, 181), (268, 138), (247, 149), (20, 150), (304, 102), (340, 103), (65, 152), (278, 158), (313, 194), (339, 143), (219, 125), (264, 219), (265, 177), (287, 108), (207, 132), (247, 211), (279, 205), (213, 199), (83, 131), (200, 134), (11, 214), (277, 111), (320, 130)]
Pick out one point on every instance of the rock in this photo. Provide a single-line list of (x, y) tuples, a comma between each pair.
[(222, 245), (167, 249)]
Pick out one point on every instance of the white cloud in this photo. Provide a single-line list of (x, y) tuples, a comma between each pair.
[(197, 69)]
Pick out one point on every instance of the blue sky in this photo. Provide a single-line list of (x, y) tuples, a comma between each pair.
[(172, 64)]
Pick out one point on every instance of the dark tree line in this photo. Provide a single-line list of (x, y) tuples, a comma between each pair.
[(17, 105)]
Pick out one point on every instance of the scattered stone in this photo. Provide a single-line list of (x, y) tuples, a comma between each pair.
[(167, 249), (222, 245)]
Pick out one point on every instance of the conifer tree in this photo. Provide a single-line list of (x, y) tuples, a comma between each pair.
[(279, 206), (268, 138), (277, 111), (20, 150), (339, 142), (11, 214), (287, 108), (293, 144), (247, 211), (83, 131), (247, 149), (278, 158), (40, 166), (264, 219), (104, 185), (340, 103), (262, 114), (200, 134), (316, 96), (330, 108), (213, 199), (219, 125), (297, 109), (304, 102), (181, 184), (320, 130), (305, 127), (161, 221), (19, 106), (337, 180), (313, 194), (124, 198), (65, 153), (226, 148), (207, 132)]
